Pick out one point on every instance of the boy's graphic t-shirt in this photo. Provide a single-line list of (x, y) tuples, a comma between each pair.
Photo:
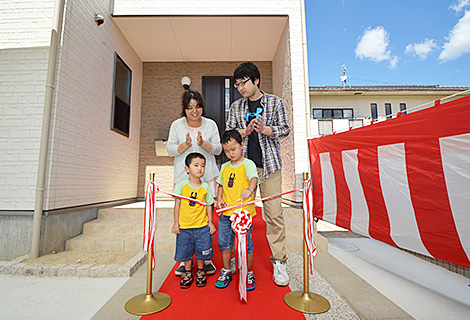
[(234, 179), (192, 214)]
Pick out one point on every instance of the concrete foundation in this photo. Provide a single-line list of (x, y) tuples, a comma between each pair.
[(17, 228)]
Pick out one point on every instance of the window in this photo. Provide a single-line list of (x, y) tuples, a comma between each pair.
[(332, 113), (122, 97), (373, 111), (348, 113), (403, 108), (388, 110), (228, 87), (337, 114), (328, 113), (317, 113)]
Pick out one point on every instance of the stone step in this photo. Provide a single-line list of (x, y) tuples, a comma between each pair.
[(121, 229), (105, 243), (114, 226), (133, 213)]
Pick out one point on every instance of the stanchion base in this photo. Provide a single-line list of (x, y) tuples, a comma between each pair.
[(148, 303), (306, 302)]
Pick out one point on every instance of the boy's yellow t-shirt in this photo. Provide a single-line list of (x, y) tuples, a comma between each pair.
[(192, 214), (233, 180)]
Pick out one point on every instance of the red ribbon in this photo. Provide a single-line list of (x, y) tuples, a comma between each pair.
[(219, 211), (181, 197)]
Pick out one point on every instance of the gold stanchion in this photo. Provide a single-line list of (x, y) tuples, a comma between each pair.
[(305, 301), (148, 303)]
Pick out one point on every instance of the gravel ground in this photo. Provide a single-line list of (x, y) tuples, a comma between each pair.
[(339, 308)]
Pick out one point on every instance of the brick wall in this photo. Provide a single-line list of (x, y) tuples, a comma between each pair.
[(24, 46), (161, 105), (282, 85)]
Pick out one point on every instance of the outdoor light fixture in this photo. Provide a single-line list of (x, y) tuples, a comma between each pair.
[(185, 81), (99, 19)]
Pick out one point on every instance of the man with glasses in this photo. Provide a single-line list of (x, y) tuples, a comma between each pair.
[(261, 119)]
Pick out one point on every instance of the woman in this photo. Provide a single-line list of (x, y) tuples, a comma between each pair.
[(194, 133)]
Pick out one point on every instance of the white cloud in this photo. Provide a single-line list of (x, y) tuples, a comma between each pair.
[(458, 41), (421, 49), (374, 44), (393, 62), (459, 5)]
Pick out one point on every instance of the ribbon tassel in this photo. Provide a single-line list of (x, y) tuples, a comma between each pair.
[(309, 222), (241, 222), (149, 221)]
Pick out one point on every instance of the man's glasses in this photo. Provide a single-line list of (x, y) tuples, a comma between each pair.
[(241, 83)]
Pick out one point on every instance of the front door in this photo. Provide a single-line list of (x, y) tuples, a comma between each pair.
[(219, 93)]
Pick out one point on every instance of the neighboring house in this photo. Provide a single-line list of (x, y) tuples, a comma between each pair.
[(337, 108), (116, 90)]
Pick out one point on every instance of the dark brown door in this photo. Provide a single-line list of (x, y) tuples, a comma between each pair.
[(219, 93)]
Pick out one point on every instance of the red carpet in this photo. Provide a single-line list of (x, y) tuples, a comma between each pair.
[(209, 302)]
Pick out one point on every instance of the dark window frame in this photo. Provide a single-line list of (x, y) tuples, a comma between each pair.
[(388, 110), (403, 108), (120, 114), (373, 111), (332, 111)]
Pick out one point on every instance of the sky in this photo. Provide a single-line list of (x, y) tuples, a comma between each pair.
[(391, 42)]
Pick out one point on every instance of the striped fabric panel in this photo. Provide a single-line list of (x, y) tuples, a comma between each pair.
[(405, 181)]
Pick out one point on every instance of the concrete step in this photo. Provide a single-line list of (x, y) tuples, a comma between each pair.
[(121, 213), (114, 226), (165, 212), (121, 228), (105, 243)]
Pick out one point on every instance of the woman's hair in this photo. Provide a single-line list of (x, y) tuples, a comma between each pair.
[(247, 70), (188, 95)]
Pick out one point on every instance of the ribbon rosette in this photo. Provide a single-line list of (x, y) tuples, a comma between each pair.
[(241, 222)]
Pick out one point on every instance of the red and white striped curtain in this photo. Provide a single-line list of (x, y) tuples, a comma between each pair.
[(404, 181)]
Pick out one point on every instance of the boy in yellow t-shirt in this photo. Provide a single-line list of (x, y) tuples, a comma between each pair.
[(193, 222), (237, 180)]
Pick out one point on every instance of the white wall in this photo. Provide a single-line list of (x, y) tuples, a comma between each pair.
[(24, 45), (361, 103), (88, 162)]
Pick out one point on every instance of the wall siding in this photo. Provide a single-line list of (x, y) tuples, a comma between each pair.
[(89, 163), (24, 48)]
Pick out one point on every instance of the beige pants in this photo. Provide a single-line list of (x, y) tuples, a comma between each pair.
[(273, 214)]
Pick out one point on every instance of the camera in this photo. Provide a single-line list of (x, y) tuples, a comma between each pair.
[(99, 19)]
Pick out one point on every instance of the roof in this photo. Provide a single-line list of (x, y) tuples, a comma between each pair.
[(389, 88)]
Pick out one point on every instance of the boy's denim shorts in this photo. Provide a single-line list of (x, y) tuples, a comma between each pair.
[(194, 241), (226, 235)]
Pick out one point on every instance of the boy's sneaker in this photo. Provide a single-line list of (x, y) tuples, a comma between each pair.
[(250, 284), (209, 267), (200, 278), (280, 275), (187, 280), (224, 279), (181, 269)]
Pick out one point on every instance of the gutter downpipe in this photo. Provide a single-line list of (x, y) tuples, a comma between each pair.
[(46, 126), (305, 61)]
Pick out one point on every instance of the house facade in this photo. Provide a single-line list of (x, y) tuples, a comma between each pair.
[(116, 91), (338, 108)]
